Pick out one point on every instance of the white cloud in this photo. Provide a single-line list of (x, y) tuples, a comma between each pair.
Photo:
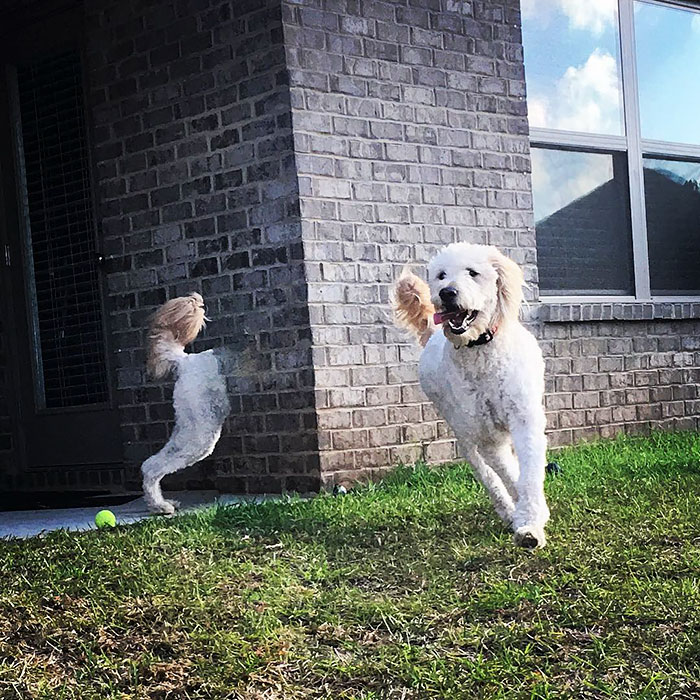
[(529, 9), (591, 15), (537, 111), (586, 98), (695, 22)]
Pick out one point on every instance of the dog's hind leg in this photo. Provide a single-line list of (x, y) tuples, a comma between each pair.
[(498, 493), (501, 459), (182, 450)]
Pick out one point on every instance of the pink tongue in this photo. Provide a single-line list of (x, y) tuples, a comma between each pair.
[(443, 316)]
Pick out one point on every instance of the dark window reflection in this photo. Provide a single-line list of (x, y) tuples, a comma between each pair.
[(584, 241), (672, 191)]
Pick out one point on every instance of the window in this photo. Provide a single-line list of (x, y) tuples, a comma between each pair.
[(613, 98)]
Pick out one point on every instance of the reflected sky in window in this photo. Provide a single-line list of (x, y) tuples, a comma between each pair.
[(561, 177), (668, 68), (572, 65), (676, 170)]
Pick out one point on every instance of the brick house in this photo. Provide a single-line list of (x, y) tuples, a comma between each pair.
[(286, 158)]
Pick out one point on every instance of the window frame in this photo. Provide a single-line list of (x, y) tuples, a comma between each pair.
[(636, 149)]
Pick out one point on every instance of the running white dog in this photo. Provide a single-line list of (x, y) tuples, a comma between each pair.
[(485, 375), (200, 396)]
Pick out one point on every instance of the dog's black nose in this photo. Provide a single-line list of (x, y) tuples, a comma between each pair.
[(448, 295)]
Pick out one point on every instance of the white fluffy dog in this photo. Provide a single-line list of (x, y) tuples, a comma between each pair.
[(200, 397), (485, 375)]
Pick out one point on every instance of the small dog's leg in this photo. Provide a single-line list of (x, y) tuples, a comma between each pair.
[(502, 502), (182, 450), (153, 470), (502, 460), (531, 513)]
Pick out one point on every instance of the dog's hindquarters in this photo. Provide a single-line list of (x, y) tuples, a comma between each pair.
[(201, 404)]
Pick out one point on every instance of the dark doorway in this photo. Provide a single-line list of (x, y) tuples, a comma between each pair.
[(59, 360)]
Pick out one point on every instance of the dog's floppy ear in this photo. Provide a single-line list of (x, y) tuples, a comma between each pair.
[(510, 288), (413, 309)]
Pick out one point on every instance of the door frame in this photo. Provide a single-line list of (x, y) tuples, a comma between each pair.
[(52, 26)]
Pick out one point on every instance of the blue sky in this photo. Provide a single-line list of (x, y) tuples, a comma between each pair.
[(572, 65), (668, 64), (573, 72)]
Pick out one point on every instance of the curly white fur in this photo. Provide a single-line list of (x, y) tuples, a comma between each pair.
[(490, 394)]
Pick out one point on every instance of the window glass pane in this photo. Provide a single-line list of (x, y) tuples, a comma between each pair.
[(668, 59), (572, 65), (584, 243), (672, 191)]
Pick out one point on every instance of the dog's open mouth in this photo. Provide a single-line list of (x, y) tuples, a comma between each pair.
[(457, 321)]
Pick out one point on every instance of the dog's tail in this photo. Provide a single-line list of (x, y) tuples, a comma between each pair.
[(413, 309), (176, 324)]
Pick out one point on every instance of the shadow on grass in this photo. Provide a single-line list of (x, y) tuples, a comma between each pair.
[(411, 501), (418, 500)]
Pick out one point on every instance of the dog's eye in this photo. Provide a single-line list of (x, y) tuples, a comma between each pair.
[(441, 275), (472, 273)]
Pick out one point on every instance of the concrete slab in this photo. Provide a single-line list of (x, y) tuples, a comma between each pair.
[(30, 523)]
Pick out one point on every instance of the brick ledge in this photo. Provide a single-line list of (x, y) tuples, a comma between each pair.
[(561, 312)]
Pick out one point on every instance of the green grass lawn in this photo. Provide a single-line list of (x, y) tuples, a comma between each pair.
[(406, 589)]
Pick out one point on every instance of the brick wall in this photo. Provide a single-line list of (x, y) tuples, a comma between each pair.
[(410, 132), (608, 377), (287, 158), (197, 191)]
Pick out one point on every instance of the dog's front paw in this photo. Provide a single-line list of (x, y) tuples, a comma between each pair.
[(530, 537)]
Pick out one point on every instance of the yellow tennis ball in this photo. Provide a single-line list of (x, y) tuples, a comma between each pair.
[(105, 518)]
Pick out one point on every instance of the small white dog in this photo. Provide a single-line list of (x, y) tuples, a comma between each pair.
[(485, 375), (200, 396)]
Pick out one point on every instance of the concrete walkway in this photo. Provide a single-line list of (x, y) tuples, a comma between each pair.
[(30, 523)]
